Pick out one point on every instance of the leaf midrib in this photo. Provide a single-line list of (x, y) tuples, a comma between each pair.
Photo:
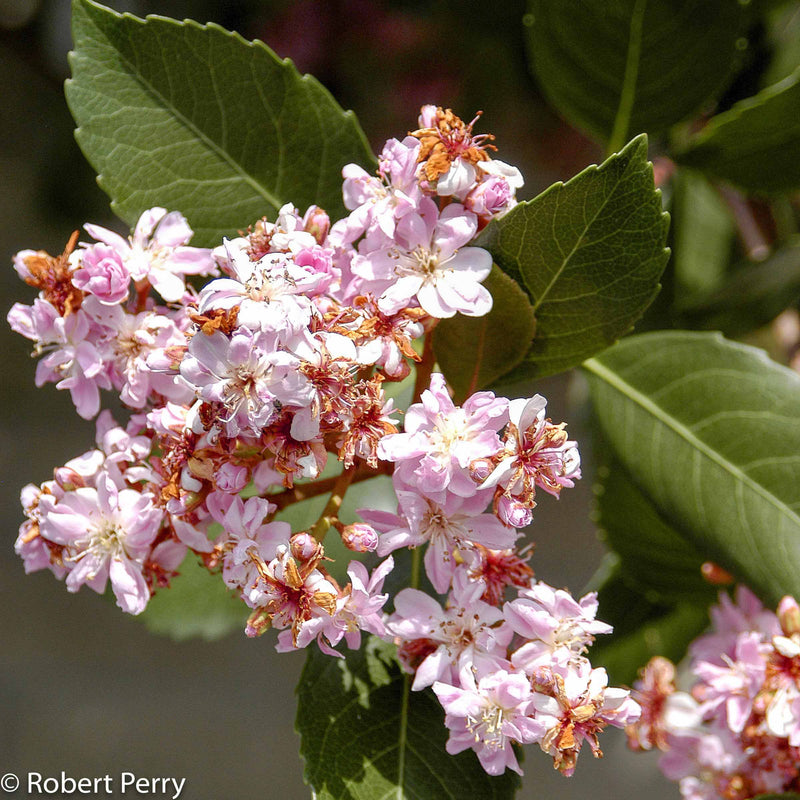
[(566, 259), (185, 121), (622, 120), (613, 379)]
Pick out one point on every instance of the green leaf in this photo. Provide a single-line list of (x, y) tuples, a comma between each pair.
[(784, 796), (195, 118), (475, 351), (704, 236), (654, 558), (642, 630), (753, 296), (755, 145), (618, 67), (589, 254), (710, 431), (364, 734), (783, 37), (197, 604)]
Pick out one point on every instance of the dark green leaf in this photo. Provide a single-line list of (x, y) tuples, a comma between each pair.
[(475, 351), (784, 796), (710, 431), (197, 119), (755, 145), (364, 734), (655, 559), (642, 630), (783, 36), (619, 67), (589, 254), (753, 296), (197, 604), (704, 236)]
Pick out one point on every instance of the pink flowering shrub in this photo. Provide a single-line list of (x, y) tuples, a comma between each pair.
[(325, 368), (274, 368), (736, 732)]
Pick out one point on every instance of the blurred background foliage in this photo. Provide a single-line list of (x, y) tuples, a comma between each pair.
[(90, 692)]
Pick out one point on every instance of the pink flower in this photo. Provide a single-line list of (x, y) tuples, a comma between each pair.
[(454, 526), (106, 533), (535, 453), (441, 440), (465, 634), (558, 627), (359, 608), (733, 687), (156, 251), (103, 273), (488, 715), (575, 707), (428, 261)]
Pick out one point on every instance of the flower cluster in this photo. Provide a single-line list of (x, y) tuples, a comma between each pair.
[(736, 735), (267, 386)]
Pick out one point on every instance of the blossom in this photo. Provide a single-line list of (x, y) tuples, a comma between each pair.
[(441, 439), (468, 632), (156, 252), (535, 453), (103, 273), (428, 261), (106, 534), (489, 714), (450, 528), (574, 703), (558, 627)]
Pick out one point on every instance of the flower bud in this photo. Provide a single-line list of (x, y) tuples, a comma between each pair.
[(789, 615), (317, 223), (359, 537), (304, 546), (231, 478)]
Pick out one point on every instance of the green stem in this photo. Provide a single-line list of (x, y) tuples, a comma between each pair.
[(622, 121), (425, 367), (331, 511), (416, 558)]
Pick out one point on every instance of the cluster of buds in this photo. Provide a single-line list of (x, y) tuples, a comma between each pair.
[(736, 734), (240, 393)]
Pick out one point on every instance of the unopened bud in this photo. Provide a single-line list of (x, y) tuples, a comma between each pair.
[(789, 615), (304, 546), (317, 223), (715, 575), (359, 537), (480, 469)]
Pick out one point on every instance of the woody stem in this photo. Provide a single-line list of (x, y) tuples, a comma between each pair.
[(307, 490)]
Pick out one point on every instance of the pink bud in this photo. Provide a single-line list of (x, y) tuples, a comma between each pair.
[(304, 546), (789, 615), (231, 478), (359, 537), (513, 513), (480, 469), (317, 223)]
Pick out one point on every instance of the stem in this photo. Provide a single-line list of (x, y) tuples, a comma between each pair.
[(331, 510), (424, 367), (753, 240), (622, 121), (307, 490), (416, 558)]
